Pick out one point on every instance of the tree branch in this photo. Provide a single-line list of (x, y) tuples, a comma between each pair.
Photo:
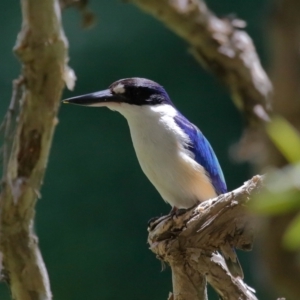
[(223, 48), (188, 243), (41, 47)]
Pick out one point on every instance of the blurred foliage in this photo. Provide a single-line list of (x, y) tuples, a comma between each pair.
[(291, 238), (92, 218), (282, 187), (285, 137)]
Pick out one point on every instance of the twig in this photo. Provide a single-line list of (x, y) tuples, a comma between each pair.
[(41, 47), (188, 243)]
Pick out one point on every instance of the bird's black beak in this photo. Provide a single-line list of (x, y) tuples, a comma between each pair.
[(95, 99)]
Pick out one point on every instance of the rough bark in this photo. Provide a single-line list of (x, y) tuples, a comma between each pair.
[(189, 244), (29, 125)]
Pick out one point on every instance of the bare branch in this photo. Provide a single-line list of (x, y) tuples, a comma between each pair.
[(223, 48), (188, 243), (41, 47)]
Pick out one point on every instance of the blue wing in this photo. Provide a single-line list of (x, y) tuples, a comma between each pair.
[(204, 154)]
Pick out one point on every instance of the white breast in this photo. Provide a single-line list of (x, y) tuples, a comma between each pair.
[(169, 166)]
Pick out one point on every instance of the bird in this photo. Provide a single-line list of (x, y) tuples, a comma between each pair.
[(172, 152)]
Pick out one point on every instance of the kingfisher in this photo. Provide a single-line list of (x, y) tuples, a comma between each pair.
[(172, 152)]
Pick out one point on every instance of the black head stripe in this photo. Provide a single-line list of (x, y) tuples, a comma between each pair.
[(140, 91)]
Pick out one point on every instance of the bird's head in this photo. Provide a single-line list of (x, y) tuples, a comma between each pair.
[(125, 93)]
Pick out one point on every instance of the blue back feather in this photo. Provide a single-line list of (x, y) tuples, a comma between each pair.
[(204, 154)]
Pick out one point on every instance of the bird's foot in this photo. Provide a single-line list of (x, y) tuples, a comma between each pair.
[(175, 212), (180, 211), (153, 222)]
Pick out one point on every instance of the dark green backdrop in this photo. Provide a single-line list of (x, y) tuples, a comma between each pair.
[(96, 201)]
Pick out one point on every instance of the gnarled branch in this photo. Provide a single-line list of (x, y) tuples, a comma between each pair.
[(189, 244)]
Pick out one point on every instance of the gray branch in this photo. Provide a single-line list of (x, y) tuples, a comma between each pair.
[(189, 244)]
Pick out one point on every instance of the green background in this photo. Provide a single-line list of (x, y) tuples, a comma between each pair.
[(92, 218)]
